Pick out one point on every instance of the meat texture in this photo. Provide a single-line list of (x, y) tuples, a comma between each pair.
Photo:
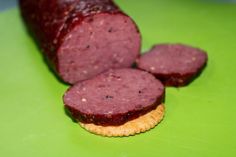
[(114, 97), (173, 64), (82, 38)]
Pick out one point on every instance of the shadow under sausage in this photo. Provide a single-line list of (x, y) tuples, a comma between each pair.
[(199, 73), (68, 114)]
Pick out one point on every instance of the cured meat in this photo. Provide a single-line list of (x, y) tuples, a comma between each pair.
[(173, 64), (114, 97), (82, 38)]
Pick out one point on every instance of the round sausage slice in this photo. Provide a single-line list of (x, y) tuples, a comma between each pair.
[(114, 97), (82, 38), (173, 64)]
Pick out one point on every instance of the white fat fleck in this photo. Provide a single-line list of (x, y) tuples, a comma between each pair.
[(69, 36), (83, 100), (193, 58), (101, 22), (55, 41), (81, 30), (85, 72), (121, 60), (68, 99), (84, 89), (152, 68), (82, 4), (66, 12), (75, 19), (123, 99), (92, 36), (90, 29), (114, 55), (95, 67), (110, 112)]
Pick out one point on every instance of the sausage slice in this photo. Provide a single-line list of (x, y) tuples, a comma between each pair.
[(173, 64), (114, 97)]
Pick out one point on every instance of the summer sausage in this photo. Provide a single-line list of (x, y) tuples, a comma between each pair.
[(173, 64), (114, 97), (82, 38)]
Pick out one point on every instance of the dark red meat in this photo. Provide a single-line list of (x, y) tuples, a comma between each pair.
[(82, 38), (114, 97), (173, 64)]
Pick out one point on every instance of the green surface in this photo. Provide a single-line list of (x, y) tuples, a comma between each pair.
[(200, 119)]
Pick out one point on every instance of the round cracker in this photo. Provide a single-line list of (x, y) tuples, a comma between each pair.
[(138, 125)]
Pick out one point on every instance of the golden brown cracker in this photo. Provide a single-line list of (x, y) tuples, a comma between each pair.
[(138, 125)]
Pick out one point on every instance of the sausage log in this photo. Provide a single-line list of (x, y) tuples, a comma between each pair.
[(82, 38)]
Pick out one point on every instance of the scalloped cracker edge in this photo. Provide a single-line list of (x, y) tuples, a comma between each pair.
[(135, 126)]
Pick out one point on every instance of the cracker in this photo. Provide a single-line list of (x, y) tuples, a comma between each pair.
[(138, 125)]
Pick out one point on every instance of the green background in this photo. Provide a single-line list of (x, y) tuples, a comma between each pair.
[(200, 118)]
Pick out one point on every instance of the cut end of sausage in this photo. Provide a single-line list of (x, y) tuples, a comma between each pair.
[(100, 42), (114, 97), (173, 64)]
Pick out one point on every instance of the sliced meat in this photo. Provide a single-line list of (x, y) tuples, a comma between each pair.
[(82, 38), (114, 97), (173, 64)]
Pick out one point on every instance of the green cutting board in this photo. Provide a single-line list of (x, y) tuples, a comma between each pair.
[(200, 118)]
